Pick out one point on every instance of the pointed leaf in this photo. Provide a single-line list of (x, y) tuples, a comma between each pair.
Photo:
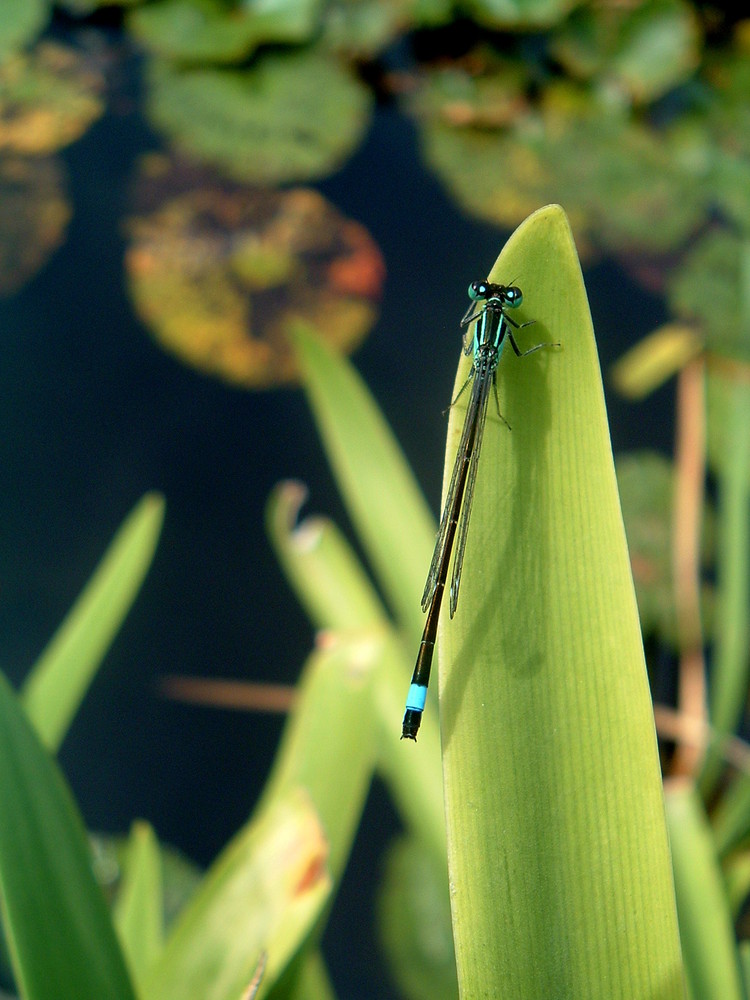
[(59, 932), (557, 844)]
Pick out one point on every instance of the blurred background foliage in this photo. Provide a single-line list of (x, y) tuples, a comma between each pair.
[(634, 116)]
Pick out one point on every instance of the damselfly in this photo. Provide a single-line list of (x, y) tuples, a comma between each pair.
[(492, 327)]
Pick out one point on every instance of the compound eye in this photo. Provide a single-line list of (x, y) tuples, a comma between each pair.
[(513, 296), (478, 290)]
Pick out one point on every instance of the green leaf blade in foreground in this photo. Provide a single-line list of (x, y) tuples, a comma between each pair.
[(60, 935), (558, 854), (61, 676)]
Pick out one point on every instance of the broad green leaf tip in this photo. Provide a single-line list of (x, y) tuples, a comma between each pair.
[(558, 855)]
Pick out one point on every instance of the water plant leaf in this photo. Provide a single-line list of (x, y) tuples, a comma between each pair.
[(625, 189), (56, 922), (218, 31), (219, 277), (265, 124), (267, 890), (34, 214), (48, 99), (505, 14), (389, 513), (711, 959), (261, 895), (558, 855), (59, 679), (655, 359), (334, 590), (320, 566), (644, 50), (139, 908), (362, 29), (414, 923), (21, 22)]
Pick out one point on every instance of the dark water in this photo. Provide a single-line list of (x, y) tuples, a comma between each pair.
[(94, 414)]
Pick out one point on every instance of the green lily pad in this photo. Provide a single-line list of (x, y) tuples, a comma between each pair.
[(504, 14), (643, 50), (220, 30), (21, 22), (361, 29), (289, 117), (723, 122), (34, 212), (48, 99), (219, 276), (620, 184)]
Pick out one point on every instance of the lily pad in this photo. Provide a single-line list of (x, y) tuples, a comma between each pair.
[(361, 29), (506, 14), (643, 50), (34, 212), (48, 99), (289, 117), (723, 121), (219, 276), (21, 22), (218, 30), (618, 180)]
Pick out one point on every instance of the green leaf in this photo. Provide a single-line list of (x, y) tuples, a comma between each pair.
[(139, 910), (60, 935), (415, 925), (644, 49), (711, 958), (332, 587), (61, 676), (20, 23), (213, 31), (655, 359), (396, 531), (264, 124), (267, 890), (557, 846), (261, 895), (320, 565), (729, 451), (504, 14), (387, 509)]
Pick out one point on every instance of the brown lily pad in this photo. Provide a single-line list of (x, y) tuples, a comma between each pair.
[(48, 99), (218, 276), (34, 212)]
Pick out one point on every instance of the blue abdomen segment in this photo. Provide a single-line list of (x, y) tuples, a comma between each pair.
[(416, 698)]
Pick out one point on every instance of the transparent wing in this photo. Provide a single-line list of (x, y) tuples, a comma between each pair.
[(484, 382), (467, 437)]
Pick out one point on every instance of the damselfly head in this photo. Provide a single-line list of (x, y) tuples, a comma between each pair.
[(509, 295)]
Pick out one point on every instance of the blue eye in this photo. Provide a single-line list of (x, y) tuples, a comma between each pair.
[(478, 290), (513, 296)]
